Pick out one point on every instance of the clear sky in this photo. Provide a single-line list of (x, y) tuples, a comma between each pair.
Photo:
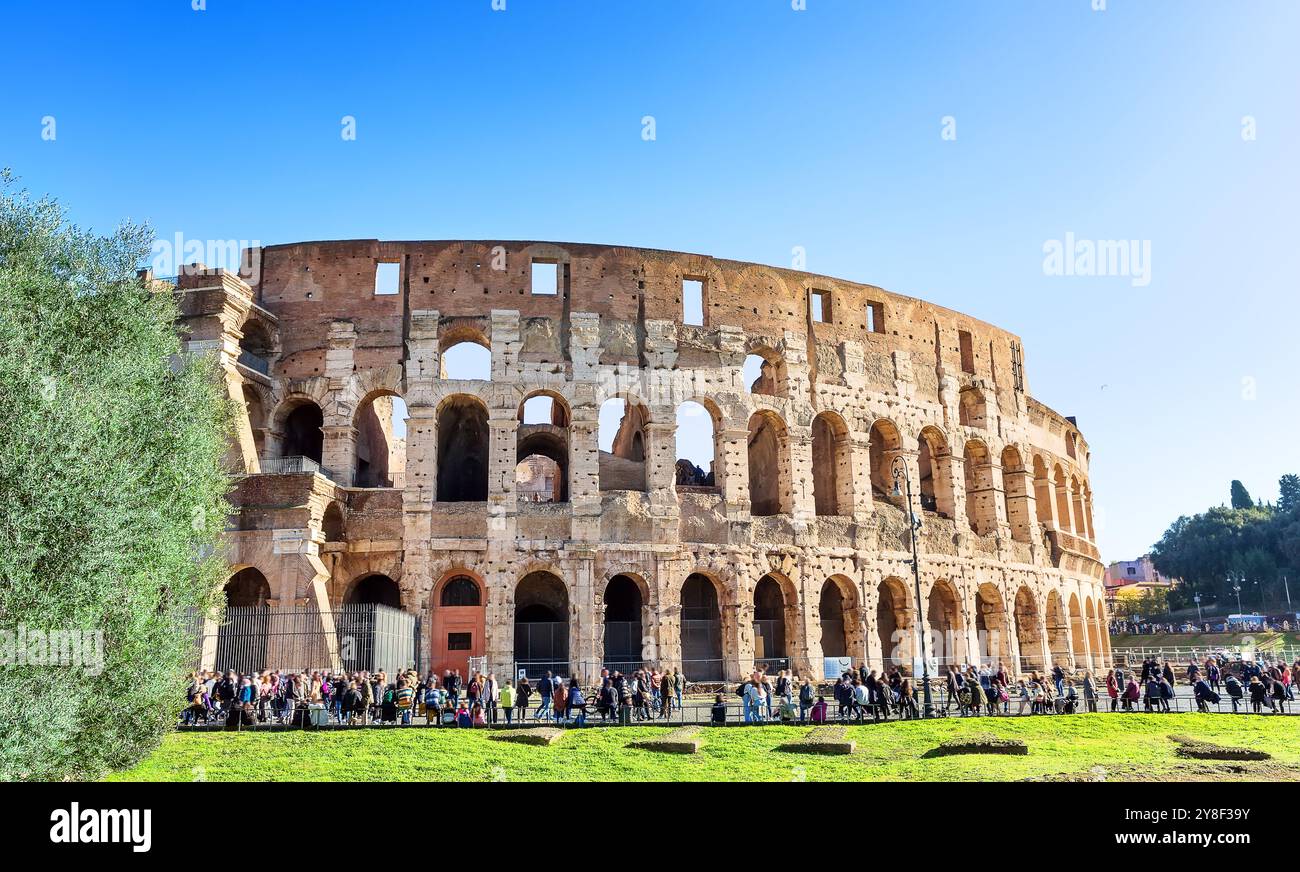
[(774, 128)]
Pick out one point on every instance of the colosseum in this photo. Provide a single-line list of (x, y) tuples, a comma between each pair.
[(522, 534)]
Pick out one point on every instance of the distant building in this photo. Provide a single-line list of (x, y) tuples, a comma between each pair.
[(1134, 577)]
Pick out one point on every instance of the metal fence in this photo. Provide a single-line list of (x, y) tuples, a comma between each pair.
[(294, 465), (250, 639)]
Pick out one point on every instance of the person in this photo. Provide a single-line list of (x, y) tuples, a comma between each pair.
[(755, 699), (805, 699), (1089, 693), (1058, 678), (1235, 693), (1204, 695), (463, 718), (559, 700), (861, 699), (577, 703), (1258, 694), (523, 690), (787, 712), (545, 689), (818, 713), (907, 700), (1023, 694), (1112, 689), (679, 686), (507, 701), (476, 718), (1131, 694), (718, 714), (667, 693), (491, 695), (1166, 692), (405, 700)]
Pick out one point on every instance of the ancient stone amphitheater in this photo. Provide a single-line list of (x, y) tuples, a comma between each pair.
[(522, 544)]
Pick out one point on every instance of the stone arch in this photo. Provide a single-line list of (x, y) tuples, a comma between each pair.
[(457, 606), (379, 454), (776, 621), (247, 588), (839, 619), (333, 522), (242, 635), (463, 444), (1080, 517), (769, 465), (832, 465), (1028, 635), (935, 464), (991, 627), (1063, 522), (1016, 489), (689, 418), (299, 421), (1042, 493), (464, 352), (541, 616), (1078, 633), (894, 624), (536, 480), (944, 624), (373, 588), (701, 628), (624, 603), (885, 444), (772, 377), (623, 466), (981, 494), (1058, 630)]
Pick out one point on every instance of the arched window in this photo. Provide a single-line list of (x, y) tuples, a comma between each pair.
[(972, 408), (374, 589), (697, 447), (701, 629), (543, 436), (542, 625), (935, 465), (622, 441), (460, 591), (764, 373), (303, 436), (463, 439), (466, 361), (885, 445), (832, 470), (380, 424), (769, 465), (332, 523)]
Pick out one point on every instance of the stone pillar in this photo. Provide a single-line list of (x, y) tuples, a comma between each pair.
[(803, 505), (586, 642), (733, 457), (339, 452), (506, 342), (503, 425), (661, 473), (584, 473), (863, 502)]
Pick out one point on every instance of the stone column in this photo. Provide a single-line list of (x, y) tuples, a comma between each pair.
[(803, 505)]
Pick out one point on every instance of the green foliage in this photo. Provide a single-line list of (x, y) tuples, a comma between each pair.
[(111, 492), (1260, 543), (1240, 496)]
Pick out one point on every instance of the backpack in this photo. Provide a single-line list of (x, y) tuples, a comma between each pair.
[(740, 689)]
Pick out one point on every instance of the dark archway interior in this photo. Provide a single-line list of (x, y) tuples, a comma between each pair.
[(462, 451), (623, 604), (248, 587), (374, 589), (831, 609), (769, 619), (460, 591), (541, 625), (701, 629), (302, 432), (553, 445), (764, 467), (332, 523)]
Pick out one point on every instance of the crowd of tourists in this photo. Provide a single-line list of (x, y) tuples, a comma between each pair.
[(477, 700), (1244, 624)]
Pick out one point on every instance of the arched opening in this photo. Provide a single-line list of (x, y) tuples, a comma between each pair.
[(1042, 493), (624, 605), (1063, 522), (894, 625), (1094, 635), (935, 463), (981, 495), (1016, 488), (1087, 511), (622, 439), (374, 589), (303, 436), (332, 523), (458, 624), (943, 621), (242, 635), (697, 447), (542, 625), (972, 408), (1058, 631), (463, 439), (1080, 517), (543, 435), (764, 372), (701, 629), (380, 424), (769, 625), (466, 361), (991, 626), (1078, 634), (1028, 636), (885, 445), (769, 465), (831, 608), (832, 470), (256, 347)]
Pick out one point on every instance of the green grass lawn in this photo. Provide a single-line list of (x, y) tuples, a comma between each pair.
[(1201, 640), (1129, 747)]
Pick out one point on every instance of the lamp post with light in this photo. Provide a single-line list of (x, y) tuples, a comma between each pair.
[(903, 484)]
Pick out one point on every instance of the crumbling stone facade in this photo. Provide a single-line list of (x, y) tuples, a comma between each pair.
[(790, 546)]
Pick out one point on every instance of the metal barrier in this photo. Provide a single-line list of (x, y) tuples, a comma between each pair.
[(296, 465)]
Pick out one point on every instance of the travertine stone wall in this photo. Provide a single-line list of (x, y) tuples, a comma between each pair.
[(1000, 481)]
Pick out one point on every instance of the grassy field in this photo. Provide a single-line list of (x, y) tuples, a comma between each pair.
[(1128, 747), (1201, 640)]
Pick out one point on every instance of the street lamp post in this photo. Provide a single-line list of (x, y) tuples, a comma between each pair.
[(1236, 588), (1287, 585), (1200, 618), (902, 475)]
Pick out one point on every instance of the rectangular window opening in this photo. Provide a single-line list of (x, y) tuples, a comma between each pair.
[(967, 352), (459, 641), (820, 302), (387, 276), (693, 301), (546, 278), (876, 317)]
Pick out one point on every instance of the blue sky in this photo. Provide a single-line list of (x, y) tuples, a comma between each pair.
[(775, 128)]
